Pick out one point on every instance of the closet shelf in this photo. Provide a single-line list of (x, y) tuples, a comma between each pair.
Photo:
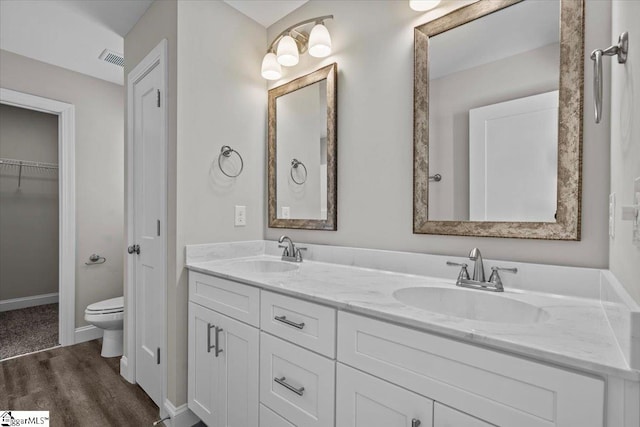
[(27, 164)]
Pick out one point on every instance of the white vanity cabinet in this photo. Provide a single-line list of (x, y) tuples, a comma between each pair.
[(222, 366), (364, 400), (488, 385)]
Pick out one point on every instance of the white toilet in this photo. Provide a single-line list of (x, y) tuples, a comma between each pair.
[(108, 315)]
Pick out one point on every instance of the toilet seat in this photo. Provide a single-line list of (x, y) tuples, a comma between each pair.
[(110, 306)]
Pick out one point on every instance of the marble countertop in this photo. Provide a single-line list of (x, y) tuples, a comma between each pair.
[(576, 333)]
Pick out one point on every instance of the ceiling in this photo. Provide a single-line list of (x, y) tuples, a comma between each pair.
[(69, 33), (72, 33), (266, 12)]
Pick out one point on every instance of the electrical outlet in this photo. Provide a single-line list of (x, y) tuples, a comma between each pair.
[(241, 216), (286, 212), (632, 213), (612, 215)]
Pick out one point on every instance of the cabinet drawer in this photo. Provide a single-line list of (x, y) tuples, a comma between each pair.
[(490, 385), (444, 416), (234, 299), (296, 383), (268, 418), (310, 325), (363, 400)]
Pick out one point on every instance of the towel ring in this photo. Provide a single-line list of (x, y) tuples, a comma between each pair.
[(294, 165), (226, 151)]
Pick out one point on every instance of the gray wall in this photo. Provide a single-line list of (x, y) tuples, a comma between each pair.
[(29, 213), (625, 143), (450, 99), (373, 47), (99, 167)]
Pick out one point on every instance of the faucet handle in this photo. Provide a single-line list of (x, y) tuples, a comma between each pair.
[(299, 254), (464, 273), (286, 249), (495, 276)]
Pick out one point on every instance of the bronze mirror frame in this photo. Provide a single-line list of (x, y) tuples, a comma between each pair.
[(330, 73), (570, 116)]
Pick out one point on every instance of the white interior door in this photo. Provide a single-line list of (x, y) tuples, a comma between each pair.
[(148, 194), (513, 160)]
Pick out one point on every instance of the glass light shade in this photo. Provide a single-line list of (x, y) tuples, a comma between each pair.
[(423, 5), (288, 52), (271, 70), (319, 42)]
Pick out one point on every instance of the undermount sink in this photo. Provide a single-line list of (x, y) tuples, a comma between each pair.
[(471, 305), (263, 266)]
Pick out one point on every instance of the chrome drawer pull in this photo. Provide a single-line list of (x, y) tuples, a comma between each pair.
[(286, 321), (283, 383), (218, 349), (209, 346), (415, 422)]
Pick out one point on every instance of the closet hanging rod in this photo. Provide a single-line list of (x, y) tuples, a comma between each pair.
[(27, 164)]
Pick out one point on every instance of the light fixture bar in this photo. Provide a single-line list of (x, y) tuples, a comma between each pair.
[(295, 26)]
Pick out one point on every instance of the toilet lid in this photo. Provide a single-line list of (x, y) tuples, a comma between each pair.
[(110, 305)]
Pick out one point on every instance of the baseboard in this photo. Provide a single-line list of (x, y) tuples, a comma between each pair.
[(32, 301), (180, 416), (87, 333), (124, 370)]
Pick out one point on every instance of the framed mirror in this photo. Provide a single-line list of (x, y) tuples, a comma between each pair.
[(302, 159), (498, 88)]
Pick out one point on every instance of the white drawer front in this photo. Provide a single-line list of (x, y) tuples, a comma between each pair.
[(234, 299), (444, 416), (297, 369), (502, 389), (268, 418), (363, 400), (310, 325)]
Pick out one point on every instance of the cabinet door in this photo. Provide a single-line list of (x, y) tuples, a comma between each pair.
[(203, 369), (238, 362), (223, 370), (366, 401), (443, 416)]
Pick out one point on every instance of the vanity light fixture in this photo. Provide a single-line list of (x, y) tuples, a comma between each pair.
[(290, 43), (423, 5)]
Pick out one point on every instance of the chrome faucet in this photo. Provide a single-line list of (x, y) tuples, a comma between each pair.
[(477, 280), (478, 266), (291, 252)]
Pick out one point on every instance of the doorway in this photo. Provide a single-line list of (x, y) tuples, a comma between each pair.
[(35, 183)]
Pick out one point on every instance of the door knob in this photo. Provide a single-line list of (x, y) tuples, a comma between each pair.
[(134, 248)]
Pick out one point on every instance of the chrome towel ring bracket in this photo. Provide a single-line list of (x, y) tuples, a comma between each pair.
[(295, 163), (621, 50), (225, 152)]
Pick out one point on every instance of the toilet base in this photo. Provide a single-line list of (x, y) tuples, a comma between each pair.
[(111, 343)]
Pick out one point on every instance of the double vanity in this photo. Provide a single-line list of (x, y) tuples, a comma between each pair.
[(352, 337)]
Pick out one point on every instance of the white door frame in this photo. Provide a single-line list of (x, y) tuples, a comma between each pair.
[(157, 57), (67, 201)]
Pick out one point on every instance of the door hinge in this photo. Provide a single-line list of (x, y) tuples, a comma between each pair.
[(158, 97), (158, 356), (158, 227)]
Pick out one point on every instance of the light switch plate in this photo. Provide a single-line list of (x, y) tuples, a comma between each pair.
[(240, 216), (636, 202), (286, 212), (612, 215)]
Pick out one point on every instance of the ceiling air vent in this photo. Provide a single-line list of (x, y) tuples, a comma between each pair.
[(112, 57)]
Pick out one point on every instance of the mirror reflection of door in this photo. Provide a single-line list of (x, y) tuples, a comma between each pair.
[(493, 113), (302, 136)]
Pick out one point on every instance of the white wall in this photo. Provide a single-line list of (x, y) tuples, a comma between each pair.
[(28, 214), (450, 99), (373, 46), (99, 167), (624, 256)]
